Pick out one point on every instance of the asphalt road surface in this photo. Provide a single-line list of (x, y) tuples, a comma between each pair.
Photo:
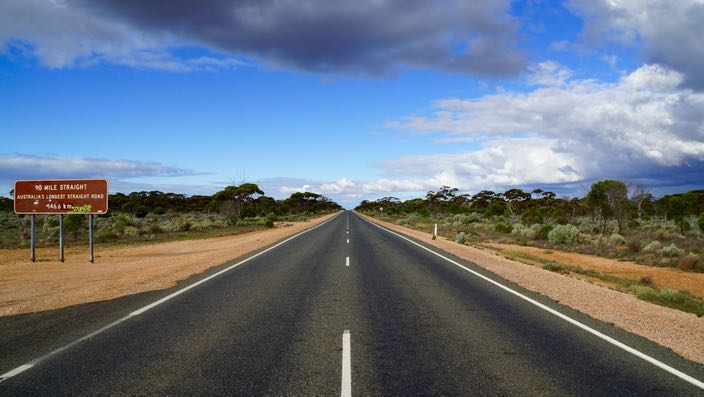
[(346, 307)]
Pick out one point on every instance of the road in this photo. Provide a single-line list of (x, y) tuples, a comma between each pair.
[(346, 307)]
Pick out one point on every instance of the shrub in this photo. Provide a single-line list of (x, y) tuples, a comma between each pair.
[(689, 263), (634, 245), (522, 231), (700, 222), (131, 231), (531, 215), (107, 235), (681, 300), (563, 234), (555, 267), (503, 228), (268, 222), (403, 222), (645, 280), (542, 232), (671, 251), (653, 246), (617, 239), (466, 219), (461, 238)]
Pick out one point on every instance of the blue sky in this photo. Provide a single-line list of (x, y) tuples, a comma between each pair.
[(354, 101)]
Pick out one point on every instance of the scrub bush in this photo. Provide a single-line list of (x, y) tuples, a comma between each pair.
[(563, 234)]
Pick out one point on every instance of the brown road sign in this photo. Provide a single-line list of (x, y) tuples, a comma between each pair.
[(61, 196)]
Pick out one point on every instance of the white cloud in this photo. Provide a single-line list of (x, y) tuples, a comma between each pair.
[(579, 130), (20, 166), (548, 73), (668, 32)]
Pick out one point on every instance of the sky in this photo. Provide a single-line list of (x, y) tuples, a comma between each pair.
[(353, 100)]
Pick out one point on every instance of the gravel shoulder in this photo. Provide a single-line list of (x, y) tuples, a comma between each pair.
[(27, 287), (682, 332)]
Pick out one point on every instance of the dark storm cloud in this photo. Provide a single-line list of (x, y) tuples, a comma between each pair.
[(365, 37)]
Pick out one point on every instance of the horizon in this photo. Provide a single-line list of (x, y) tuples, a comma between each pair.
[(359, 102)]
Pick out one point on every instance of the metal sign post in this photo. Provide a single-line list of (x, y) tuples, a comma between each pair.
[(61, 237), (32, 238), (90, 238)]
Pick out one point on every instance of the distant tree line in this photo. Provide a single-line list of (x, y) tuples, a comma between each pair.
[(242, 201), (607, 200)]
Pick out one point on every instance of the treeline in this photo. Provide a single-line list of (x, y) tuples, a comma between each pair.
[(606, 201), (243, 201)]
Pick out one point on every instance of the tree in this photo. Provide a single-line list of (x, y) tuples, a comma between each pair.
[(514, 198), (608, 199), (239, 195), (482, 199), (676, 209), (640, 197)]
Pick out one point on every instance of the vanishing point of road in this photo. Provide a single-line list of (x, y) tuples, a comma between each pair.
[(345, 308)]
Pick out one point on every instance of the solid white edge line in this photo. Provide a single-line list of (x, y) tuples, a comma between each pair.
[(346, 384), (29, 365), (15, 371), (212, 276), (637, 353)]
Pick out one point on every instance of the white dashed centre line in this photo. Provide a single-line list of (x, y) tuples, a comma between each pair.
[(346, 389), (347, 261)]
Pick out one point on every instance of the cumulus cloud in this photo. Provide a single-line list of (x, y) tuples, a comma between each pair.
[(20, 166), (548, 73), (644, 126), (668, 32), (364, 37)]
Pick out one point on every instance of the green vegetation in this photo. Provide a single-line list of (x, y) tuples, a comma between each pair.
[(555, 267), (681, 300), (613, 220), (157, 216)]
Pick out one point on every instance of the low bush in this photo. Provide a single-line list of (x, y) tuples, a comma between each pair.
[(461, 238), (646, 280), (700, 222), (634, 245), (523, 231), (403, 222), (503, 228), (542, 232), (681, 300), (563, 234), (653, 246), (131, 231), (555, 267), (689, 263), (106, 236), (671, 251), (617, 239)]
